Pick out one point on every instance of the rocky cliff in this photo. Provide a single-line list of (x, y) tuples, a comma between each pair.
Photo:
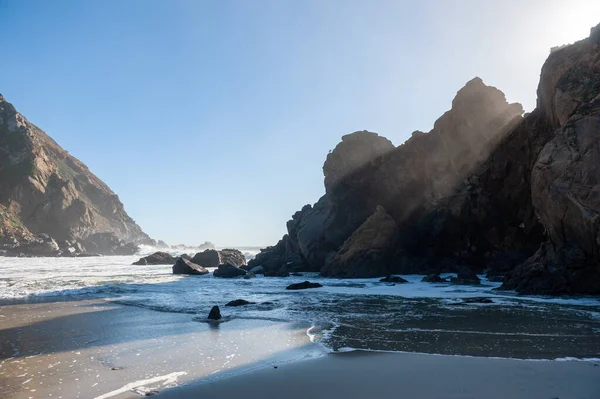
[(565, 177), (365, 176), (43, 189), (486, 189)]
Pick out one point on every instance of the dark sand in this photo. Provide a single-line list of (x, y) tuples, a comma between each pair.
[(399, 375)]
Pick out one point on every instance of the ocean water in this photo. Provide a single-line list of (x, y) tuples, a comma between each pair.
[(342, 315)]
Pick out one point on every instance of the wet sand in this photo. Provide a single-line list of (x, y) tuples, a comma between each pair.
[(399, 375), (100, 349), (97, 349)]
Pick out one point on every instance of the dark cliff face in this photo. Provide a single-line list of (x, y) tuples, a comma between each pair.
[(49, 191), (565, 178), (366, 171), (485, 189)]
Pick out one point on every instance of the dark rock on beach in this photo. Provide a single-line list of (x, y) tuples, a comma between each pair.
[(157, 258), (184, 266), (228, 271), (303, 286), (215, 313)]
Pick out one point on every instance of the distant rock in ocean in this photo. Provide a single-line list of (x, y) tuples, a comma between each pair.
[(228, 270), (486, 188), (214, 258), (157, 258), (184, 266), (45, 190)]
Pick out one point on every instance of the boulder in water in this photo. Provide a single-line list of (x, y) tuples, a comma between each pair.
[(228, 271), (258, 270), (239, 302), (184, 266), (393, 279), (208, 258), (434, 278), (465, 277), (232, 256), (477, 300), (157, 258), (303, 286)]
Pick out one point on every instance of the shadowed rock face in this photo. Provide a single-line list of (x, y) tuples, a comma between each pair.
[(409, 181), (565, 179), (367, 252), (49, 191)]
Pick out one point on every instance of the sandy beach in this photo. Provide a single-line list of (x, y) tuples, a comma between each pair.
[(403, 375), (97, 349)]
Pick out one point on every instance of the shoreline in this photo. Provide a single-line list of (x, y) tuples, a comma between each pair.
[(99, 348), (363, 374), (91, 348)]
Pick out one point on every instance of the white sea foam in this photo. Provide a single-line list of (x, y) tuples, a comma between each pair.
[(136, 386)]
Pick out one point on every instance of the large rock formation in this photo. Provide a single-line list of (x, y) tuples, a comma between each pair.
[(565, 179), (483, 190), (409, 181), (49, 191)]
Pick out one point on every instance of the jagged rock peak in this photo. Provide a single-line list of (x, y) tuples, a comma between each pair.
[(475, 90)]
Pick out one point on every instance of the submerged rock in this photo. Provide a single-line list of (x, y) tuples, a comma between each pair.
[(477, 300), (303, 286), (249, 275), (466, 277), (157, 258), (258, 270), (393, 279), (184, 266), (215, 313), (283, 272), (434, 278), (228, 271), (239, 302)]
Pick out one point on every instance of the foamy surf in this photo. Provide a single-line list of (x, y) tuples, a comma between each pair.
[(145, 387)]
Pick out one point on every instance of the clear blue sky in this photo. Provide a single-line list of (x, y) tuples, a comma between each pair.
[(211, 119)]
